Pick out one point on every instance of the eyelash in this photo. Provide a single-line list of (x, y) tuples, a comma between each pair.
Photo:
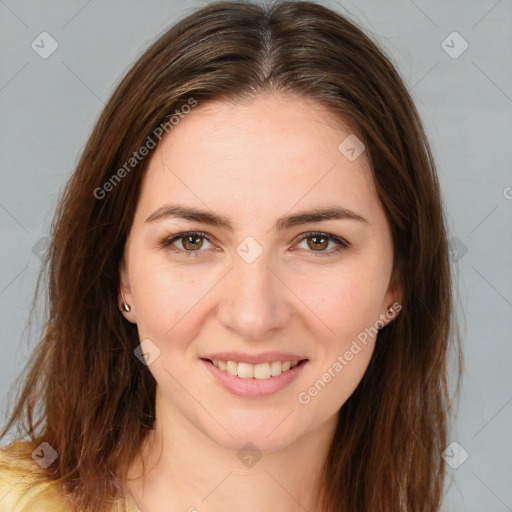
[(342, 244)]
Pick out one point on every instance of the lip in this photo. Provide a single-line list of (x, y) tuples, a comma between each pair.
[(255, 388), (264, 357)]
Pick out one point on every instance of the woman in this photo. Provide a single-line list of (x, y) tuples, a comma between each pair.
[(249, 285)]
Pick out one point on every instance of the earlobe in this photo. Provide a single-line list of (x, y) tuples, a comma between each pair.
[(393, 300), (389, 315), (125, 307), (123, 303)]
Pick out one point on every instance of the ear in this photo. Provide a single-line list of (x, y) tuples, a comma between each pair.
[(392, 303), (124, 295)]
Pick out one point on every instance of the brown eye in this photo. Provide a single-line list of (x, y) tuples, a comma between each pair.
[(318, 242), (192, 242)]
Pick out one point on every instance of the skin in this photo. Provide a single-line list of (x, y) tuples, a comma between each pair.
[(251, 162)]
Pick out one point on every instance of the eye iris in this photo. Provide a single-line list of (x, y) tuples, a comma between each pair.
[(321, 245), (187, 239)]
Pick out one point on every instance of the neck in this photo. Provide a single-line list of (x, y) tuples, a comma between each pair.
[(184, 469)]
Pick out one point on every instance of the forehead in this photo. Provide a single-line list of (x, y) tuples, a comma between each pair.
[(269, 154)]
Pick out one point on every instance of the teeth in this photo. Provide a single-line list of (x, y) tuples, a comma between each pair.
[(261, 371), (245, 371), (275, 368), (256, 371), (231, 367)]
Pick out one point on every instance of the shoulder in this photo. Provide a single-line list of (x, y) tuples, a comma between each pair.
[(23, 485)]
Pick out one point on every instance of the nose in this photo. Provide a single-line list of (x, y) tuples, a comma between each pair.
[(255, 300)]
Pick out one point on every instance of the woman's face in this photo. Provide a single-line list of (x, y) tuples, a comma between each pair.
[(257, 287)]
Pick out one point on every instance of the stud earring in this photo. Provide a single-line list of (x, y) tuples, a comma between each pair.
[(126, 308)]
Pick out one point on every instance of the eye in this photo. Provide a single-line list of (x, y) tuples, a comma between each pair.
[(320, 242), (191, 242)]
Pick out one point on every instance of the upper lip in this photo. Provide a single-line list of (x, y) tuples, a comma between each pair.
[(264, 357)]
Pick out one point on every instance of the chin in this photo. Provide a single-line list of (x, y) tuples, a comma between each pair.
[(251, 440), (269, 432)]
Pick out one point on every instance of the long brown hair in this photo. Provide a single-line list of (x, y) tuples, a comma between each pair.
[(88, 396)]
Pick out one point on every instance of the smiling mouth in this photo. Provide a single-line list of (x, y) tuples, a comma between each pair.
[(260, 371)]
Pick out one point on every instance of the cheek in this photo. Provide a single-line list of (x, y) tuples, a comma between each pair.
[(346, 300), (349, 306), (164, 295)]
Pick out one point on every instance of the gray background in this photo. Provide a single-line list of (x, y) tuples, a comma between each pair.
[(48, 107)]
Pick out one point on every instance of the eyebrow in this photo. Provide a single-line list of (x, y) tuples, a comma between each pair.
[(282, 223)]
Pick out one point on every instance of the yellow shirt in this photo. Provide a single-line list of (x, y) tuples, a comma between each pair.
[(24, 488)]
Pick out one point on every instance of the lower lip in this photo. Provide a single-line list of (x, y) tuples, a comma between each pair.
[(254, 387)]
